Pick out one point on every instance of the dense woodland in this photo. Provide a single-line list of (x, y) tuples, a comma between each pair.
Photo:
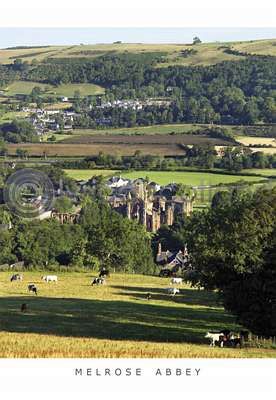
[(232, 92)]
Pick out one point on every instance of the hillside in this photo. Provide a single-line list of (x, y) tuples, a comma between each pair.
[(173, 54)]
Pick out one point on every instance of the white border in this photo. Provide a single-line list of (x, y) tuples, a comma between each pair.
[(138, 13)]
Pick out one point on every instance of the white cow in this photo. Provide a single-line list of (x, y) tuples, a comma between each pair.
[(50, 278), (176, 281), (215, 337), (172, 291)]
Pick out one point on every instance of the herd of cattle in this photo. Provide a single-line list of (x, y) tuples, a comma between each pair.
[(224, 338)]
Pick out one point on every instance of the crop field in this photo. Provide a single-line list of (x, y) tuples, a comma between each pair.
[(74, 319), (178, 139), (68, 90), (69, 150), (249, 141), (266, 150), (7, 56)]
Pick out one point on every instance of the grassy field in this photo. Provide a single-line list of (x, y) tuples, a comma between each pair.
[(74, 319), (264, 172), (205, 53), (24, 87), (189, 178), (142, 130), (11, 115), (264, 47), (237, 130), (84, 174), (67, 90), (85, 89), (165, 177)]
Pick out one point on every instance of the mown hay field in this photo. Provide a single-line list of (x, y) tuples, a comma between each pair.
[(249, 141), (74, 319)]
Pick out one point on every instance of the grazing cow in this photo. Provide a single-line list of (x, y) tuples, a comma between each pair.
[(215, 338), (104, 273), (23, 307), (172, 291), (49, 278), (16, 277), (176, 281), (98, 281), (148, 296), (32, 288)]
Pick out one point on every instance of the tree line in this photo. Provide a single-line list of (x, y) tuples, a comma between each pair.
[(232, 249)]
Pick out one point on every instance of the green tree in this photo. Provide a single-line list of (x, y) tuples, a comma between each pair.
[(231, 248)]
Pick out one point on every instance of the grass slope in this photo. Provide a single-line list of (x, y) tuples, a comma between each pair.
[(206, 53), (68, 90), (74, 319)]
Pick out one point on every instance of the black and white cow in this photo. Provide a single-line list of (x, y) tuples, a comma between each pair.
[(104, 273), (98, 281), (32, 288), (16, 277)]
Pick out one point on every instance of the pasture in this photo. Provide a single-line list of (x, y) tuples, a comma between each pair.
[(172, 54), (84, 174), (67, 90), (24, 87), (189, 178), (73, 319), (172, 129), (264, 171), (165, 177)]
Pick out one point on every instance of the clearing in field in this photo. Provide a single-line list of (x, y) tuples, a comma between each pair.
[(74, 319)]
